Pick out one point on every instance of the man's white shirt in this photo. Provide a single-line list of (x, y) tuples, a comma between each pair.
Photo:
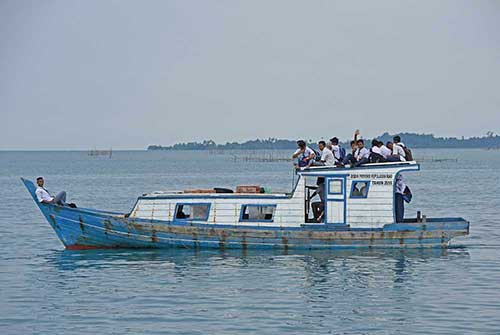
[(42, 194), (336, 151), (401, 144), (397, 150), (363, 153), (376, 150), (307, 152), (386, 152), (327, 157), (400, 185)]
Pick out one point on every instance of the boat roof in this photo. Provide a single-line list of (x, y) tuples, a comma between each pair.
[(182, 195), (313, 170)]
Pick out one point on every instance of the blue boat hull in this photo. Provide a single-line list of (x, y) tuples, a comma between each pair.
[(91, 229)]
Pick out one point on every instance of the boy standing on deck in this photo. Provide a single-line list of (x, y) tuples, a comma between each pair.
[(399, 199)]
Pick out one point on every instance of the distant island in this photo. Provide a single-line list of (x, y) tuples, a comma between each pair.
[(412, 140)]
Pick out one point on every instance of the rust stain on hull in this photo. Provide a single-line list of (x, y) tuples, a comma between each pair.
[(154, 238), (54, 222), (82, 225), (107, 226)]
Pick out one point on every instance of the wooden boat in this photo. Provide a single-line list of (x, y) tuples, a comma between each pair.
[(359, 212)]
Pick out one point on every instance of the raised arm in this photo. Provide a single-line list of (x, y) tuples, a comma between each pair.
[(356, 134)]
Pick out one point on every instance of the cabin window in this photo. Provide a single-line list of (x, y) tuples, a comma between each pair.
[(192, 212), (335, 186), (360, 188), (257, 213)]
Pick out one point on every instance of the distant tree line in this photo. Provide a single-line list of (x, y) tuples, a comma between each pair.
[(412, 140)]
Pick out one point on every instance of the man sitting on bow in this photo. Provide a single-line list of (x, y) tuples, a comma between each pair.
[(44, 196)]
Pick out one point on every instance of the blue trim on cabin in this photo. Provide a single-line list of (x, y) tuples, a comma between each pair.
[(343, 178), (362, 167), (354, 182), (192, 204), (256, 205)]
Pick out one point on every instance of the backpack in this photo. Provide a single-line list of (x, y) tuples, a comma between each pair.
[(408, 154), (317, 154), (407, 195)]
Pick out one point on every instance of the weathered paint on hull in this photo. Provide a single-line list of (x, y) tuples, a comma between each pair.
[(82, 229)]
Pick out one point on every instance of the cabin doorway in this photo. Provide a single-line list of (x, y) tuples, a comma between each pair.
[(335, 207), (315, 200)]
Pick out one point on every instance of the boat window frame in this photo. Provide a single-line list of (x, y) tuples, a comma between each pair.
[(354, 182), (192, 204), (257, 205), (342, 181)]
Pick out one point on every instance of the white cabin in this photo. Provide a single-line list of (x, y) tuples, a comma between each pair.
[(361, 197)]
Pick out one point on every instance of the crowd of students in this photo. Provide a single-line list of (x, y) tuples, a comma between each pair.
[(332, 154)]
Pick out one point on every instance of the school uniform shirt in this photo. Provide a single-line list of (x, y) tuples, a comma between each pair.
[(376, 150), (307, 152), (336, 151), (42, 194), (385, 151), (397, 150), (363, 153), (400, 185), (401, 144), (327, 157)]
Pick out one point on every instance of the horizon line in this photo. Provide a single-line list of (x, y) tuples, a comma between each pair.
[(240, 142)]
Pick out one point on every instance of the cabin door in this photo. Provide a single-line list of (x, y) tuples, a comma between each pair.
[(335, 200)]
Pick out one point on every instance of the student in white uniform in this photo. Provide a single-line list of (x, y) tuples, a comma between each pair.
[(304, 154), (375, 147), (397, 140), (399, 199), (361, 155), (385, 154), (327, 157), (376, 153), (397, 151), (335, 148)]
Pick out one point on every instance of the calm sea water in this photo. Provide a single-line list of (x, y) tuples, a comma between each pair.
[(47, 290)]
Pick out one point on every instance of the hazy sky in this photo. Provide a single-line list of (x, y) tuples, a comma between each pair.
[(80, 74)]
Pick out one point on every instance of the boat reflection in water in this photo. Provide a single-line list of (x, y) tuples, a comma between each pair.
[(360, 261)]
